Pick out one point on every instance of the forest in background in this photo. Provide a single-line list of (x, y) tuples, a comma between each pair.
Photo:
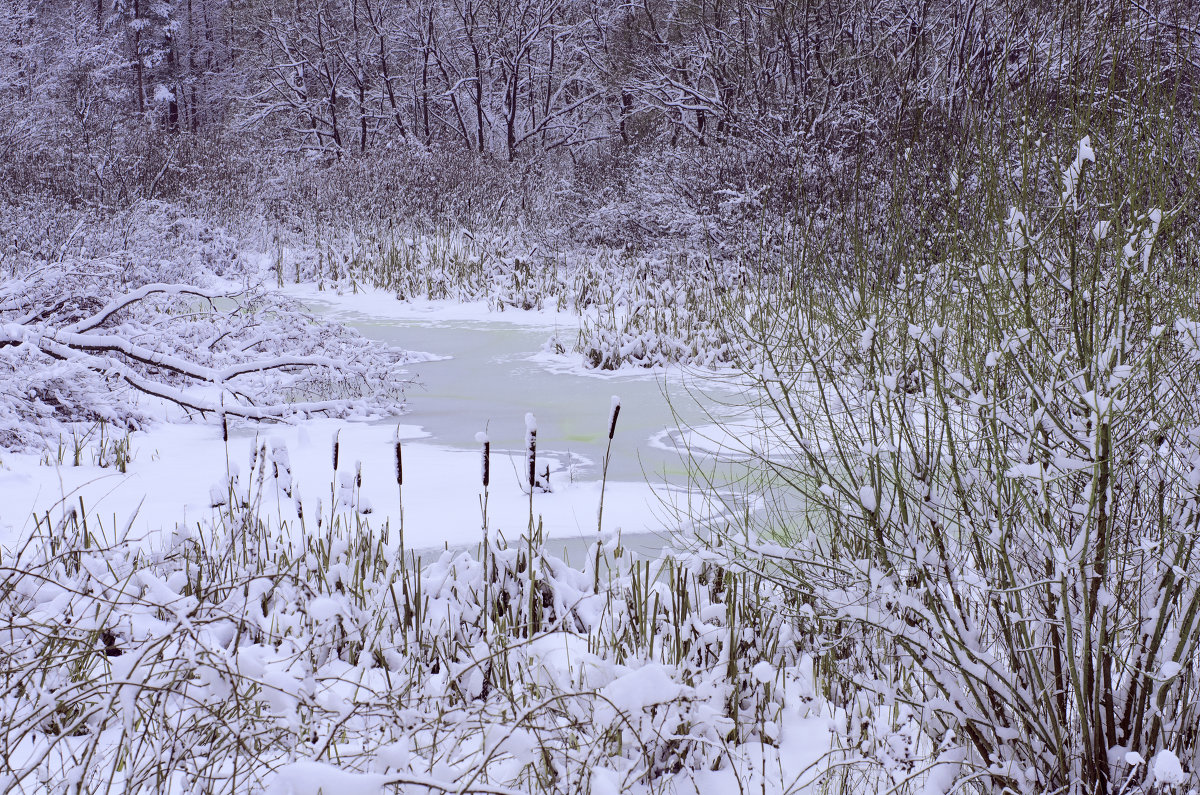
[(609, 123)]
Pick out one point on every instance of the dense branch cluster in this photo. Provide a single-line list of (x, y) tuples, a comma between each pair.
[(985, 471), (104, 89)]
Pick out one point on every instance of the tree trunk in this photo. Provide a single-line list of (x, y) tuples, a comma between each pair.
[(137, 59)]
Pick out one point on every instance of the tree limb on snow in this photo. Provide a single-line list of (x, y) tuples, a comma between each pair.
[(113, 353), (129, 299)]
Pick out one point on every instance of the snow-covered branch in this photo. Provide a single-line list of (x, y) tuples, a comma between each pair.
[(75, 350)]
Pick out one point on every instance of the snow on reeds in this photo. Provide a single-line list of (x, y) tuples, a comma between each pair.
[(244, 654)]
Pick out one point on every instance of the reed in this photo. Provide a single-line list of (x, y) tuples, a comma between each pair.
[(398, 456), (323, 662), (333, 480), (613, 413)]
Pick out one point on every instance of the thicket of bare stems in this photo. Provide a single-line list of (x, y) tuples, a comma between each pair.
[(982, 458)]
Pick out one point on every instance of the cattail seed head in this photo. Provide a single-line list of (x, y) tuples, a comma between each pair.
[(358, 475), (399, 465), (261, 458), (612, 416), (487, 463), (336, 449), (283, 467), (531, 447)]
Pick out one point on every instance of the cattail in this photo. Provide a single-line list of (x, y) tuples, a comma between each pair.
[(261, 458), (336, 449), (358, 475), (486, 464), (399, 465), (531, 446), (283, 468), (613, 412)]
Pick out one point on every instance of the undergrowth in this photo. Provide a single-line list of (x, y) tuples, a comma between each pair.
[(245, 652)]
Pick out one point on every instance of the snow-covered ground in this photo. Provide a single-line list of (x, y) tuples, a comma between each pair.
[(177, 471)]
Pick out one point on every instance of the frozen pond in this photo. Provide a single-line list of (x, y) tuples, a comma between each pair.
[(490, 373), (492, 376)]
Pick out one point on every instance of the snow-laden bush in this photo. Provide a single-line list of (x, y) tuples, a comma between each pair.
[(986, 480)]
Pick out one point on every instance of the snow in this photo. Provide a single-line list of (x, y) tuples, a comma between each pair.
[(1070, 177), (764, 672), (317, 778), (866, 496), (323, 608), (637, 690), (944, 772), (1169, 670), (564, 661), (178, 473), (1167, 768)]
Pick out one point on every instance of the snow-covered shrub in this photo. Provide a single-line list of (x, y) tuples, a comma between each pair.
[(986, 465)]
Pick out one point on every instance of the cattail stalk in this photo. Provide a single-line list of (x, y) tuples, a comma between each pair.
[(400, 487), (399, 456), (357, 485), (225, 439), (485, 476), (333, 481), (531, 446), (399, 463), (487, 461), (613, 413), (531, 453)]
